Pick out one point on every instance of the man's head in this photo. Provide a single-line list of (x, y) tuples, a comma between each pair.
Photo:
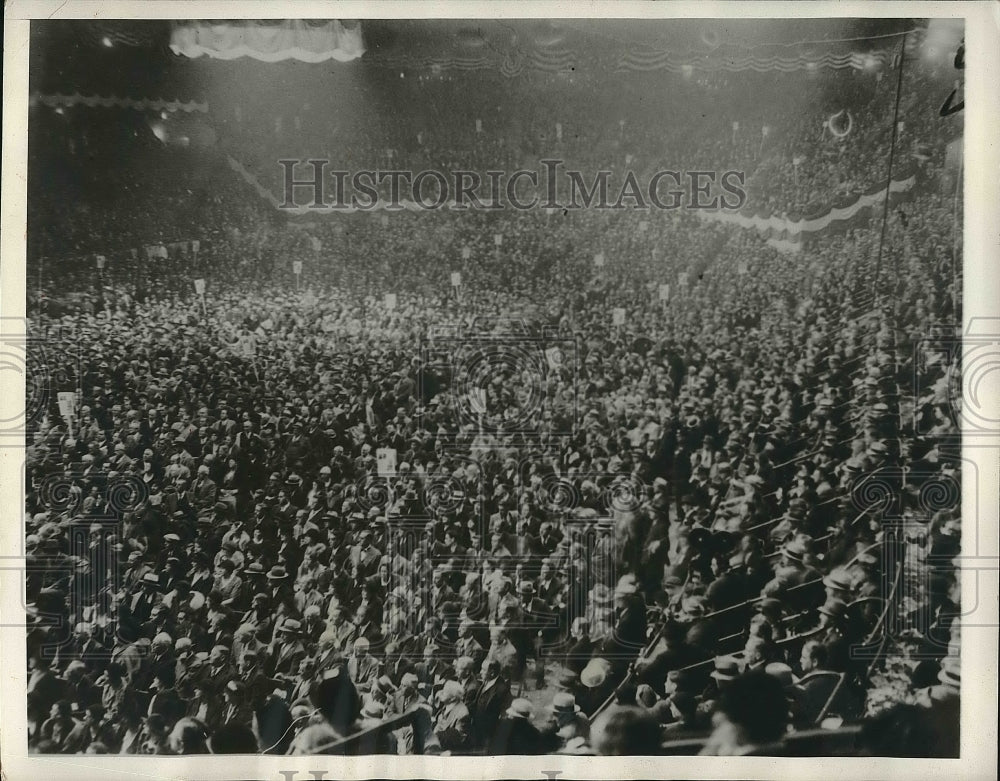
[(756, 650), (625, 731), (751, 711), (814, 656), (490, 670)]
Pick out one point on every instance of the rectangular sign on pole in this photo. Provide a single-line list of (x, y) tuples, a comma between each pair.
[(101, 261), (554, 356), (617, 316), (643, 226), (390, 300), (477, 400), (296, 266), (195, 246), (466, 252), (743, 267), (664, 292), (599, 259), (456, 278), (67, 405), (498, 239), (199, 287), (385, 458)]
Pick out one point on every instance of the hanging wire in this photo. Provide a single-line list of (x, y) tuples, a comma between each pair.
[(955, 234), (654, 47), (888, 176)]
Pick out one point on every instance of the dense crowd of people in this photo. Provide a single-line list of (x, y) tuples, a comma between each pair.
[(816, 144), (292, 515)]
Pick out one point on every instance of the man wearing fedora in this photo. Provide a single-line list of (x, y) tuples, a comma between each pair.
[(137, 607), (287, 650), (515, 734), (628, 635), (596, 684), (566, 723), (726, 670)]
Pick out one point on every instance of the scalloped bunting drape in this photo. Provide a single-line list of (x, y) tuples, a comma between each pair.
[(140, 104), (784, 231), (308, 40)]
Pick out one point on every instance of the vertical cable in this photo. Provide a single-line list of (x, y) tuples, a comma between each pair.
[(888, 177), (955, 233)]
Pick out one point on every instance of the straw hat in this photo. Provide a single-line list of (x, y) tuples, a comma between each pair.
[(727, 668), (520, 709), (595, 673), (564, 702)]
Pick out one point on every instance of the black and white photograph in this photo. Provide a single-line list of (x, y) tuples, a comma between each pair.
[(481, 387)]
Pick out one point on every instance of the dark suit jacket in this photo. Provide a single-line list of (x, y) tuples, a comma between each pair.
[(579, 654), (812, 691), (515, 736), (487, 710)]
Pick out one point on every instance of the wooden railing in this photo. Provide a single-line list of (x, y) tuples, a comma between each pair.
[(811, 742), (361, 742), (804, 743), (630, 676)]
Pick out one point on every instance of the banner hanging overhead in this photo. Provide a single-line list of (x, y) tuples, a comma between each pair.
[(307, 40)]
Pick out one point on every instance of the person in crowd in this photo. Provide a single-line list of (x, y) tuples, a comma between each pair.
[(625, 731), (515, 733), (452, 725), (750, 719), (491, 702)]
